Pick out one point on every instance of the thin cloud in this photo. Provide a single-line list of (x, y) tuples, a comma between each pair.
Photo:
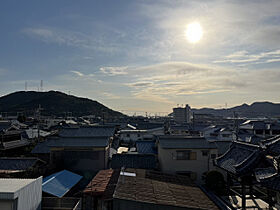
[(245, 57), (114, 70), (80, 74)]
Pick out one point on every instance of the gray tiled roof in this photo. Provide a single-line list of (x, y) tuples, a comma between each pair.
[(273, 145), (240, 158), (89, 131), (17, 163), (78, 142), (41, 148), (265, 173), (184, 142)]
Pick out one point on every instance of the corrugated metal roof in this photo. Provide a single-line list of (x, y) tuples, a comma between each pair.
[(60, 183), (185, 142)]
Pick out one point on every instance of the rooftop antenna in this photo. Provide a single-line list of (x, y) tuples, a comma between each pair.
[(41, 86)]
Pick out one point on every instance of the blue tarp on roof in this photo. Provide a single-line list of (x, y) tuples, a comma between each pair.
[(60, 183)]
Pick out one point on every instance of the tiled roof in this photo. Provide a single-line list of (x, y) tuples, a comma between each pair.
[(89, 131), (149, 187), (262, 174), (273, 145), (78, 142), (159, 191), (146, 147), (103, 184), (4, 125), (145, 161), (240, 158), (41, 148), (16, 164), (184, 142), (15, 144)]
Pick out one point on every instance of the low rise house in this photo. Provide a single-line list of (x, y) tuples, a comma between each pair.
[(133, 135), (82, 149), (143, 189), (20, 194), (12, 139), (191, 156), (21, 166), (260, 128)]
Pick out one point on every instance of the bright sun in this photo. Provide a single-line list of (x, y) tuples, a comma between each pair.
[(194, 32)]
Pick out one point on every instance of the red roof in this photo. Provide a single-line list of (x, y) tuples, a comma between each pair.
[(103, 184)]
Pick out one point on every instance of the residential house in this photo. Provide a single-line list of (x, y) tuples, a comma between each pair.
[(82, 149), (187, 155), (20, 194), (140, 189)]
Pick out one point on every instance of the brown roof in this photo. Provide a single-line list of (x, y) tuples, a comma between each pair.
[(162, 189), (103, 184), (149, 187)]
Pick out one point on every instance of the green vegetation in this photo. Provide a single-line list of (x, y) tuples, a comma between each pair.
[(53, 103)]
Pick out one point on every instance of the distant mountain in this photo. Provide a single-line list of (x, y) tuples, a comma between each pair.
[(53, 103), (257, 109)]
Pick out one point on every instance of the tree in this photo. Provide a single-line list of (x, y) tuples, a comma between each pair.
[(214, 180)]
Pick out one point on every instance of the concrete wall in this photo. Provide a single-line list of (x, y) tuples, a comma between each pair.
[(7, 204), (169, 163), (28, 197)]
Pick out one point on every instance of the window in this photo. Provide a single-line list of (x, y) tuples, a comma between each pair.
[(204, 152), (213, 156), (127, 135), (185, 155)]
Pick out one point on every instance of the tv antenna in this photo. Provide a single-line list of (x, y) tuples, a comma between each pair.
[(41, 86)]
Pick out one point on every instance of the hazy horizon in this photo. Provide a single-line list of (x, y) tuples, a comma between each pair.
[(138, 55)]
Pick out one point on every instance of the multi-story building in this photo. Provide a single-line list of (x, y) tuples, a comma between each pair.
[(182, 114), (187, 155)]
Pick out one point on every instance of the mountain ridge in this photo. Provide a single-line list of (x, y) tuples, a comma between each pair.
[(53, 103), (256, 109)]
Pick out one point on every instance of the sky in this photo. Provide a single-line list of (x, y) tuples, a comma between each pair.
[(133, 56)]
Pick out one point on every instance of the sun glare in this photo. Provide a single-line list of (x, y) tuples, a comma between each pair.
[(194, 32)]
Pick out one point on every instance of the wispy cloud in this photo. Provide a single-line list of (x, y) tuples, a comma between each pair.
[(246, 57), (114, 70), (80, 74), (60, 36), (110, 95)]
